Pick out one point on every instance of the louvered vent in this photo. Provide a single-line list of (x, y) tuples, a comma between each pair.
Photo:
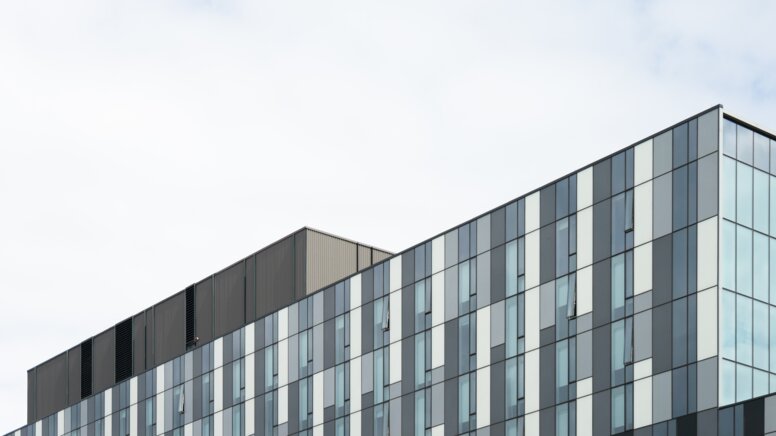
[(123, 350), (191, 340), (86, 368)]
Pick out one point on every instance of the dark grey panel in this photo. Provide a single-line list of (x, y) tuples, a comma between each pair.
[(170, 333), (275, 277), (707, 422), (229, 299), (708, 133), (103, 361), (602, 180), (708, 186), (497, 274), (408, 310), (364, 256), (547, 205), (547, 376), (662, 255), (367, 322), (32, 415), (408, 268), (661, 339), (451, 350), (602, 412), (203, 317), (139, 345), (250, 289), (51, 386), (497, 391), (408, 365), (328, 349), (547, 253), (74, 375), (601, 358), (451, 407), (602, 230), (150, 357), (497, 227), (547, 422), (602, 294)]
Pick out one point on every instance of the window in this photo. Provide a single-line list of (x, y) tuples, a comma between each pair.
[(618, 223), (760, 343), (743, 261), (467, 402), (562, 247), (422, 359), (618, 286), (467, 286), (342, 338), (618, 352), (238, 381), (727, 325), (511, 268), (561, 371), (422, 413), (422, 305), (743, 330), (728, 253), (760, 267), (760, 201), (521, 265), (467, 342), (744, 194), (342, 389), (511, 387), (571, 303), (305, 403), (511, 326), (382, 374)]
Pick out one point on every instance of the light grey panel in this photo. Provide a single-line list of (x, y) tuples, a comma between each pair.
[(584, 355), (483, 277), (103, 361), (328, 388), (642, 302), (642, 336), (708, 133), (483, 234), (451, 293), (438, 403), (662, 159), (229, 299), (51, 386), (708, 186), (497, 324), (367, 380), (74, 375), (170, 334), (547, 305), (451, 248), (707, 384), (661, 210), (661, 397), (203, 318)]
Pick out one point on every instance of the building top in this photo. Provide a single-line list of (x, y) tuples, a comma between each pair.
[(264, 282)]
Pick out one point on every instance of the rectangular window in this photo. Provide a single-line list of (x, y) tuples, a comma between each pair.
[(562, 198), (511, 388), (618, 409), (511, 268), (743, 330), (743, 383), (728, 253), (727, 325), (729, 188), (561, 247), (760, 266), (744, 194), (521, 265), (618, 286), (561, 307), (760, 343), (679, 337), (679, 198), (467, 342), (511, 326), (743, 260), (422, 305), (467, 402), (571, 304), (760, 201), (562, 371), (420, 413), (618, 223), (772, 202), (562, 420), (729, 138), (618, 353), (679, 264)]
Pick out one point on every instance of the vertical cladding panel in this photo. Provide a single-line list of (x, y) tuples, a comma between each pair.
[(229, 299), (170, 332), (364, 257), (602, 180), (103, 358), (662, 205), (380, 255), (299, 267), (585, 237), (642, 214), (602, 230), (32, 413), (708, 186), (250, 289), (707, 253), (547, 205), (203, 318), (275, 277), (139, 345), (602, 297), (328, 260), (708, 133), (643, 167), (532, 381), (642, 402), (51, 386), (547, 251), (532, 260), (707, 323), (150, 355), (532, 212), (74, 375), (642, 269), (585, 188)]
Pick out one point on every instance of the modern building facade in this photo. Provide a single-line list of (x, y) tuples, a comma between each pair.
[(634, 296)]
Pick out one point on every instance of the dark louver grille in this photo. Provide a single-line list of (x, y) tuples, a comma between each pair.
[(190, 338), (123, 350), (86, 368)]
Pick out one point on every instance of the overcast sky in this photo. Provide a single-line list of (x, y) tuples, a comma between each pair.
[(145, 144)]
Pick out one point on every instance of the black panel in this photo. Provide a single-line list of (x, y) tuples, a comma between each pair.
[(123, 354), (190, 316), (754, 417), (86, 368)]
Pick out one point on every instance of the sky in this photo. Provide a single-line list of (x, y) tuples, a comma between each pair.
[(145, 144)]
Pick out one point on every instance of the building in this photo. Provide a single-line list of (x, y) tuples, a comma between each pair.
[(636, 295)]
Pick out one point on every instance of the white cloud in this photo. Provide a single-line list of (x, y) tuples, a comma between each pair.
[(146, 144)]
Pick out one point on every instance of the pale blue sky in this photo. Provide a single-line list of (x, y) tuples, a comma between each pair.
[(145, 144)]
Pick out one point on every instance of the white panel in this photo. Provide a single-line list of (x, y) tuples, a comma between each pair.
[(250, 416), (355, 384), (584, 387), (395, 282), (438, 254), (109, 399), (355, 332), (108, 426), (531, 381), (532, 260), (642, 402), (133, 420), (642, 213), (585, 290), (355, 424), (61, 419), (250, 368), (395, 316), (438, 298), (318, 398), (532, 424), (483, 397), (355, 291), (283, 324), (643, 162), (250, 338), (437, 346), (395, 352), (218, 424), (532, 211), (283, 363), (38, 428), (483, 341), (188, 430), (532, 319), (283, 405), (585, 416), (707, 253), (318, 431), (18, 433), (642, 369), (585, 188), (159, 414), (218, 388), (133, 390), (218, 354), (584, 237), (642, 268), (707, 323)]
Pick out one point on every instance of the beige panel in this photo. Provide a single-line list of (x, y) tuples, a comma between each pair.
[(328, 259)]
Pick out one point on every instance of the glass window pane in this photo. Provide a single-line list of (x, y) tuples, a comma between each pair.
[(420, 410), (679, 268), (761, 146), (743, 330), (562, 420), (679, 337), (618, 409), (727, 382), (420, 360), (561, 247), (561, 198), (511, 388), (772, 278), (618, 223), (511, 327), (618, 286), (744, 194), (728, 253), (772, 204), (511, 268), (561, 370), (729, 138), (760, 267), (743, 260), (727, 325), (561, 299), (463, 287), (729, 188), (744, 142), (743, 383), (760, 335), (618, 352), (761, 181), (679, 198), (772, 329), (463, 403)]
